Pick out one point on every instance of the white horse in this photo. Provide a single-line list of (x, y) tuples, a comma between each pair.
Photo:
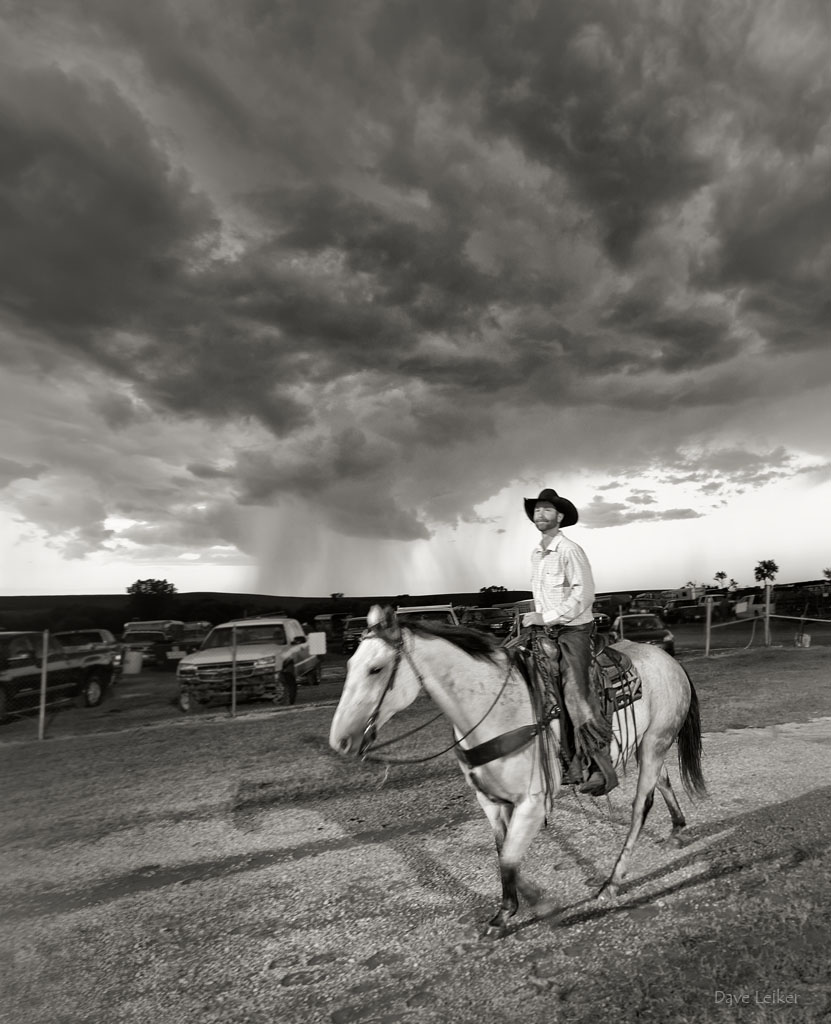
[(483, 694)]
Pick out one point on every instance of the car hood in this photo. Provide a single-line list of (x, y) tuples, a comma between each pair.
[(245, 652), (644, 634)]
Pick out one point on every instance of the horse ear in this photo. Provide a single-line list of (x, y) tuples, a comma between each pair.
[(383, 620), (375, 616)]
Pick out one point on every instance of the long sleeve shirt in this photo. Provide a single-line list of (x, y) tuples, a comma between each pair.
[(562, 582)]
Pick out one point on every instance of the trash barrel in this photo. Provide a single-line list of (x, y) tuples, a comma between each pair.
[(132, 663)]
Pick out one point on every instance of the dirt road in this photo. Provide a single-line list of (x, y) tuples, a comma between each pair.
[(235, 870)]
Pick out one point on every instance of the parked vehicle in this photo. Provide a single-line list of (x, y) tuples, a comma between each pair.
[(683, 610), (722, 607), (644, 629), (264, 658), (353, 630), (159, 647), (85, 675), (92, 642), (428, 613), (602, 622), (497, 621), (650, 601), (173, 628), (194, 634), (752, 606), (331, 624)]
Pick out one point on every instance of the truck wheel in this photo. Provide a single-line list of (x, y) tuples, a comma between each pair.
[(93, 689), (289, 680)]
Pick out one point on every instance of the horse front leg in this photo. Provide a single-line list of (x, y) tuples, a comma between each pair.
[(514, 828), (499, 816)]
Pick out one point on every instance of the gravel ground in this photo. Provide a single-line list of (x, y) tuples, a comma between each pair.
[(237, 871)]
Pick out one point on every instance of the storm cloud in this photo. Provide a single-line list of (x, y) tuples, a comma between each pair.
[(364, 258)]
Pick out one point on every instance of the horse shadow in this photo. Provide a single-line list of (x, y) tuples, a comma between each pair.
[(781, 834)]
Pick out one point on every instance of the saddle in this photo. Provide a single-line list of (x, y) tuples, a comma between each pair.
[(614, 677), (617, 678)]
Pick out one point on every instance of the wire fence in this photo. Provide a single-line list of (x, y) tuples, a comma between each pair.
[(766, 631)]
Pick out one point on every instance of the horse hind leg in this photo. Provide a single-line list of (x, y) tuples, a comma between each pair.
[(651, 765), (679, 822)]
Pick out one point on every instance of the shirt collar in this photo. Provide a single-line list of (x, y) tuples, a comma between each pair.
[(555, 543)]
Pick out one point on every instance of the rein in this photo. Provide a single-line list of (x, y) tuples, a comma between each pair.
[(370, 730)]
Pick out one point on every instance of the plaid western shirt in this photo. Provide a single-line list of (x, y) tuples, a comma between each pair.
[(562, 583)]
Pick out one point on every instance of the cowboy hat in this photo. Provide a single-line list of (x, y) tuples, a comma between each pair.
[(561, 504)]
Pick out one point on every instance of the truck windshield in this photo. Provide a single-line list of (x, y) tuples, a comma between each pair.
[(223, 637)]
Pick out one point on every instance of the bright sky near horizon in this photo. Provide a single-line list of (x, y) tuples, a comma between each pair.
[(299, 298)]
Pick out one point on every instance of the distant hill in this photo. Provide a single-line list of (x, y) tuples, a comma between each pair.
[(111, 611)]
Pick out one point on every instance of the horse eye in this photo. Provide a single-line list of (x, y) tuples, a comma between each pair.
[(374, 670)]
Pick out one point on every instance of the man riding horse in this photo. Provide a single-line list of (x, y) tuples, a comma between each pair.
[(563, 588)]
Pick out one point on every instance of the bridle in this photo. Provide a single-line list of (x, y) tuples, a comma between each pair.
[(371, 731)]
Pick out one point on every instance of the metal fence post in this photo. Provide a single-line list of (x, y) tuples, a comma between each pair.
[(233, 671), (767, 613), (708, 605), (44, 668)]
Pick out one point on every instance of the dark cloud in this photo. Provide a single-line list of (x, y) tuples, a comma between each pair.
[(95, 224), (390, 257), (11, 470), (600, 514), (117, 410)]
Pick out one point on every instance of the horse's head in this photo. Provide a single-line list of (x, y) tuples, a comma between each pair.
[(380, 681)]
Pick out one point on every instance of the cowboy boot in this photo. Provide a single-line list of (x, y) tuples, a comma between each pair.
[(603, 777)]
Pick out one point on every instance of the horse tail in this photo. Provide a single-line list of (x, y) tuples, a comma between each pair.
[(689, 749)]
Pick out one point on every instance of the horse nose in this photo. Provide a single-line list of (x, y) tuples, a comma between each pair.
[(344, 744)]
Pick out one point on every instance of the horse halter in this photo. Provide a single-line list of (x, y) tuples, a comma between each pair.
[(370, 729)]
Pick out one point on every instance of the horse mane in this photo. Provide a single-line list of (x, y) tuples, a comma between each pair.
[(477, 644)]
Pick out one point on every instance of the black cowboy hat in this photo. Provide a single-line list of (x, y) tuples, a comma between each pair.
[(561, 504)]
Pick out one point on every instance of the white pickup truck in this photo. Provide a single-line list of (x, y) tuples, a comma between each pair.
[(261, 658)]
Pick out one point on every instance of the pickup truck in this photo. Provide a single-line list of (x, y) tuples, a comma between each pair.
[(91, 643), (69, 676), (264, 658)]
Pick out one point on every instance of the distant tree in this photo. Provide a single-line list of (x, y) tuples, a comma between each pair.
[(720, 577), (150, 599), (337, 596), (827, 573), (732, 585), (493, 590), (765, 570)]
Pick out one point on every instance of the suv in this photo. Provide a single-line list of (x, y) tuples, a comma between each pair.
[(68, 676), (353, 630), (498, 622), (263, 658), (428, 613)]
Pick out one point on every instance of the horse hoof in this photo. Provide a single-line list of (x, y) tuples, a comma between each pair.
[(607, 892), (544, 908), (495, 931)]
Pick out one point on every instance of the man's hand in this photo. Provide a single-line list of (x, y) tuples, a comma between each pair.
[(532, 619)]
